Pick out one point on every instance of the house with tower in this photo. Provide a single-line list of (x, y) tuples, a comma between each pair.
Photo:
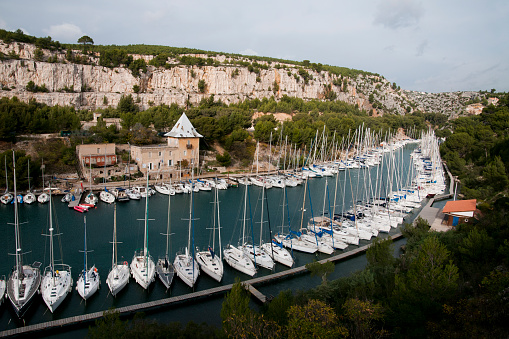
[(174, 159)]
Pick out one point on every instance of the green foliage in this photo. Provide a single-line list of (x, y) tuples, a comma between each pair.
[(362, 315), (137, 65), (160, 60), (86, 41), (495, 174), (114, 58), (321, 270), (38, 54), (381, 263), (202, 86), (314, 320), (126, 104), (263, 130), (22, 161), (225, 159), (111, 326), (17, 117), (32, 87), (478, 153), (19, 36)]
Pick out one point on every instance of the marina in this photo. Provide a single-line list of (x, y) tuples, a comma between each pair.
[(130, 234)]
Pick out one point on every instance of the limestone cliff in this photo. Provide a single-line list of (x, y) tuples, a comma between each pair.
[(91, 86)]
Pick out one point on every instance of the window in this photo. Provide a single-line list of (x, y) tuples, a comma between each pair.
[(160, 153), (185, 153), (150, 154), (150, 166), (98, 150), (169, 162)]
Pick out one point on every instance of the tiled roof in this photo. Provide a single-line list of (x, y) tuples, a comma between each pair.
[(183, 129), (460, 206)]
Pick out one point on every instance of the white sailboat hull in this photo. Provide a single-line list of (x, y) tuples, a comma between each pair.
[(21, 297), (259, 256), (55, 289), (213, 267), (88, 283), (118, 278), (187, 269), (281, 255), (143, 270), (238, 260)]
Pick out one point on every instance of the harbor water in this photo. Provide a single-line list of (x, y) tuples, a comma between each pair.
[(351, 186)]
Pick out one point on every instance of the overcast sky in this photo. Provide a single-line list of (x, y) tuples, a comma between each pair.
[(432, 46)]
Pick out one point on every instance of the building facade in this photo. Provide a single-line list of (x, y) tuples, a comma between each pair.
[(173, 160), (98, 160)]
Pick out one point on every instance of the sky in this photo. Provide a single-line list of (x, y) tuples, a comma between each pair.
[(428, 46)]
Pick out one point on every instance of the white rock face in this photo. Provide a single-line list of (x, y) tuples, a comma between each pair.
[(100, 87)]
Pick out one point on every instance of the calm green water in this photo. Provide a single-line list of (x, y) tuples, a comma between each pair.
[(130, 232)]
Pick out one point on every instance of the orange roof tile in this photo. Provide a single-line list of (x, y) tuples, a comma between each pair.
[(460, 206)]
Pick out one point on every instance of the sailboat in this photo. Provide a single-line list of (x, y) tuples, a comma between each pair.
[(89, 281), (3, 285), (119, 273), (6, 197), (106, 196), (43, 197), (24, 280), (142, 265), (57, 280), (29, 198), (260, 256), (91, 198), (164, 267), (209, 261), (235, 256), (186, 267), (273, 248)]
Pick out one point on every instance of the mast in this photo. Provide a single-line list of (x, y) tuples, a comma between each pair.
[(29, 175), (51, 255), (42, 168), (261, 216), (244, 218), (145, 241), (218, 225), (85, 256), (168, 227), (6, 179), (114, 258), (19, 259)]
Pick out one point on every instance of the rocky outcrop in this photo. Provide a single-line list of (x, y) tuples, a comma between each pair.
[(91, 86)]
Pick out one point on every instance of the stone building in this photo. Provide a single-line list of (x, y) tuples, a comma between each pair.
[(175, 158), (100, 158)]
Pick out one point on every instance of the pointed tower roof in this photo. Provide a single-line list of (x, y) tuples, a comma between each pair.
[(183, 129)]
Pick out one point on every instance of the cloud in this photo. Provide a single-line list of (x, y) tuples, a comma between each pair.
[(248, 51), (152, 16), (396, 14), (389, 48), (64, 32), (420, 49)]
